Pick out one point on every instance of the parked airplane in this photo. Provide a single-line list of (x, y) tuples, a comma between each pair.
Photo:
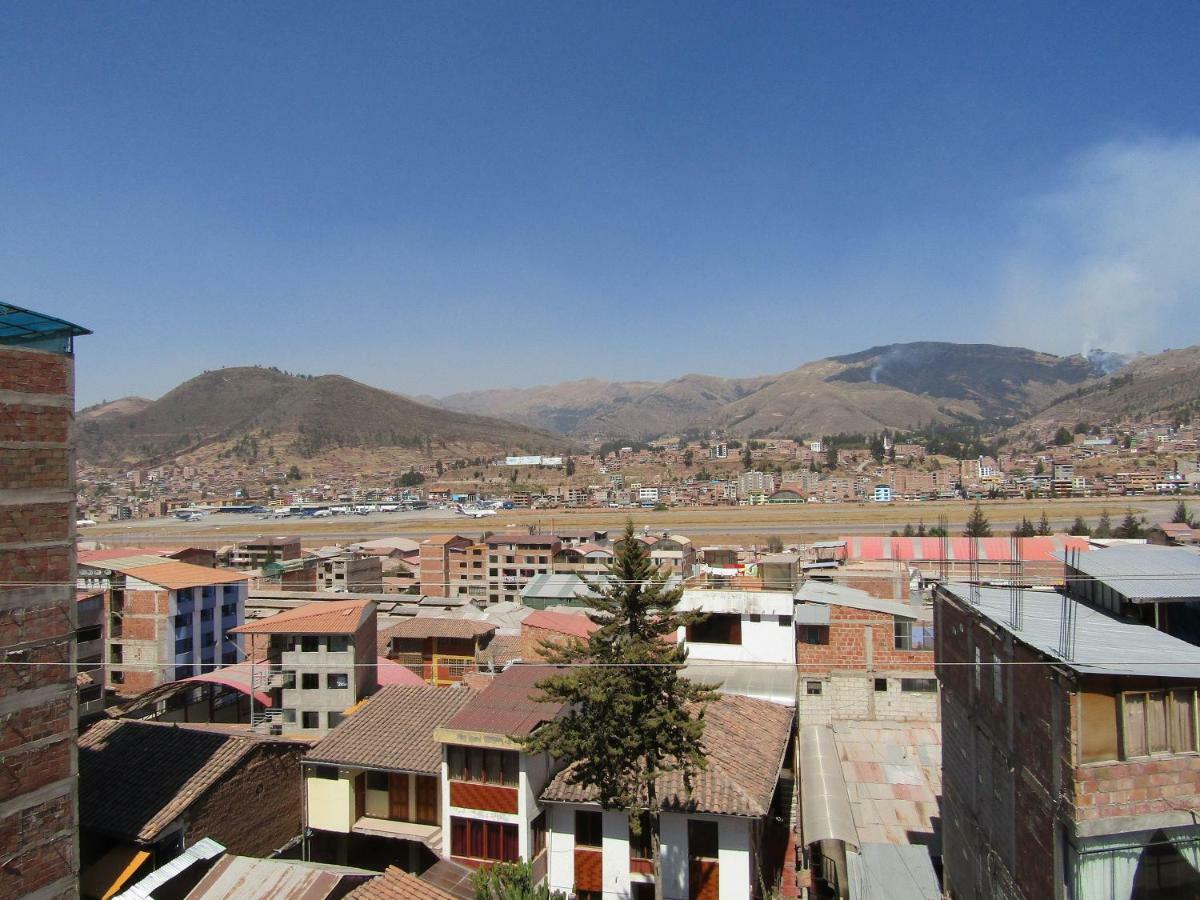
[(474, 512), (83, 523)]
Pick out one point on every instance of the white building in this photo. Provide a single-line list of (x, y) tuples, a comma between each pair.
[(883, 494), (718, 847), (743, 627)]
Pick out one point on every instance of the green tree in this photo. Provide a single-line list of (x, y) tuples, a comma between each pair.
[(570, 467), (1063, 437), (977, 524), (510, 881), (1104, 526), (1043, 526), (1025, 529), (294, 473), (631, 717), (747, 459), (1181, 516), (774, 544), (688, 456), (1079, 528), (1130, 527), (908, 530), (831, 456), (439, 468)]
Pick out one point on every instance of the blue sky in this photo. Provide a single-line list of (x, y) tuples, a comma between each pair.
[(438, 197)]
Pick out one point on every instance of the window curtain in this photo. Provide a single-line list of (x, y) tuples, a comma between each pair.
[(1105, 868)]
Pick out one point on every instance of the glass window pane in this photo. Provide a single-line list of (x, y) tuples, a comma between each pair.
[(1183, 721), (1135, 725), (1156, 722)]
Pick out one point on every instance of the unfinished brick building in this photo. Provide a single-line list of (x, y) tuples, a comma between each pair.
[(37, 606), (1070, 764)]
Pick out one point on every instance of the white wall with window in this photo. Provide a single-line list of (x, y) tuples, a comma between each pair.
[(741, 626)]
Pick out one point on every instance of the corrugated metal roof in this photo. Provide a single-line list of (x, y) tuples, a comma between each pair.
[(841, 595), (1104, 645), (825, 801), (558, 586), (24, 326), (895, 871), (775, 682), (247, 878), (202, 851), (1145, 572)]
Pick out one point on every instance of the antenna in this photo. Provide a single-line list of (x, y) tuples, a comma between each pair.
[(1016, 583), (973, 581)]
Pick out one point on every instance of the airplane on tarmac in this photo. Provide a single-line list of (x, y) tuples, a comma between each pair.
[(473, 513)]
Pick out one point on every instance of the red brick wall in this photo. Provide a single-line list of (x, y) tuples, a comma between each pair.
[(35, 372), (846, 648), (1137, 788), (35, 522), (37, 863)]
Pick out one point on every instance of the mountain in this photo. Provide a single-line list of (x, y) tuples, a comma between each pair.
[(1163, 386), (122, 407), (309, 415), (894, 386)]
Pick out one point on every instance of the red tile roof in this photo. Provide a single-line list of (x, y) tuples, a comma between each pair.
[(744, 742), (572, 624), (394, 730), (435, 626), (322, 617), (176, 575), (506, 707), (388, 671), (396, 884)]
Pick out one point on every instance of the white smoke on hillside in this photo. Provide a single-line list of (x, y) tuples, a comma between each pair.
[(1113, 258)]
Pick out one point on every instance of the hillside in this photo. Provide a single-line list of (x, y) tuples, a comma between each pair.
[(123, 407), (1165, 385), (309, 415), (895, 386)]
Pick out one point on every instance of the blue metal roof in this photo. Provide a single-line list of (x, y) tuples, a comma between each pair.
[(33, 329)]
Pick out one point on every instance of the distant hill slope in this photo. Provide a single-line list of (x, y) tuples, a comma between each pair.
[(1165, 385), (314, 413), (122, 407), (893, 386)]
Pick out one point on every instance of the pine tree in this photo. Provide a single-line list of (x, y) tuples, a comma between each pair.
[(632, 718), (1104, 526), (1025, 529), (908, 530), (1079, 528), (1130, 527), (1181, 516), (1043, 526), (978, 525)]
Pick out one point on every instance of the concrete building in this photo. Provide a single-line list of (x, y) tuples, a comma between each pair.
[(257, 552), (724, 838), (861, 658), (675, 554), (165, 620), (150, 791), (351, 572), (37, 605), (514, 559), (316, 661), (89, 653), (1070, 764), (373, 786)]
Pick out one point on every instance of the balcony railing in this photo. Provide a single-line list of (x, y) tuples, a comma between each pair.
[(267, 721)]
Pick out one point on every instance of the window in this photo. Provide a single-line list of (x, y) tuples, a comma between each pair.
[(785, 621), (334, 719), (377, 781), (1155, 722), (978, 672), (812, 688), (755, 617), (229, 611), (589, 828), (880, 685), (718, 628), (289, 717), (997, 679), (918, 685), (537, 834), (183, 645), (327, 772), (88, 634), (337, 681), (339, 643), (639, 844), (483, 766), (816, 634), (310, 681), (484, 840), (310, 643), (206, 615), (310, 720)]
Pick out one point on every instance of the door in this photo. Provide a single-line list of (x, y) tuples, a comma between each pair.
[(428, 788), (398, 797), (703, 872)]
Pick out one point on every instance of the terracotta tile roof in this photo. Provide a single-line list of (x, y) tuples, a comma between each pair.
[(394, 730), (389, 671), (444, 538), (435, 626), (503, 649), (97, 556), (176, 575), (136, 778), (579, 626), (322, 617), (506, 707), (744, 741), (396, 884)]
